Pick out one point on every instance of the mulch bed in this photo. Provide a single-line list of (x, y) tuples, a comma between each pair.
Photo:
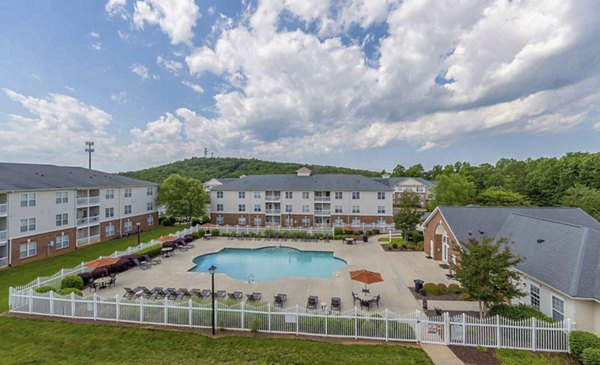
[(434, 297), (387, 249), (470, 355)]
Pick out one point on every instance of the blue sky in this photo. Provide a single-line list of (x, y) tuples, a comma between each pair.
[(351, 83)]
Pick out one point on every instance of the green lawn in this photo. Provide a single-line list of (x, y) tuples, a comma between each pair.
[(397, 240), (28, 341), (517, 357)]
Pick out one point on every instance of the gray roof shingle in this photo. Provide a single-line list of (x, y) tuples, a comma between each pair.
[(22, 176), (280, 182)]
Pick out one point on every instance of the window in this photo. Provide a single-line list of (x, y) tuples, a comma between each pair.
[(28, 249), (242, 221), (220, 194), (305, 208), (149, 206), (420, 189), (150, 220), (339, 195), (305, 221), (242, 194), (257, 207), (127, 209), (338, 209), (558, 309), (62, 241), (339, 221), (28, 199), (306, 195), (257, 221), (242, 208), (128, 192), (219, 207), (356, 209), (28, 224), (288, 208), (128, 226), (62, 197), (62, 219), (220, 219), (257, 195), (381, 195), (109, 230), (534, 296), (149, 191), (109, 212), (355, 195), (289, 195), (380, 209), (109, 194), (289, 221), (356, 221)]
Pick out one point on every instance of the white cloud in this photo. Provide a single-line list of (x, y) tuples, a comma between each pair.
[(197, 88), (70, 88), (116, 8), (119, 97), (142, 71), (94, 35), (96, 46), (176, 18), (170, 65)]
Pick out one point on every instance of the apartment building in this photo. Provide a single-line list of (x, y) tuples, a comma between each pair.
[(48, 210), (301, 199), (417, 185)]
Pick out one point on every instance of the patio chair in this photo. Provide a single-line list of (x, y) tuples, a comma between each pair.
[(236, 295), (279, 300), (312, 303), (355, 297), (336, 304), (376, 300), (130, 293), (158, 293), (254, 296), (220, 294), (113, 281), (142, 265)]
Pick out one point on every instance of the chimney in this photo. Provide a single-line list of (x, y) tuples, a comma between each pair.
[(385, 175)]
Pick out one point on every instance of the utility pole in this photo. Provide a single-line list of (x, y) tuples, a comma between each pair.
[(89, 148)]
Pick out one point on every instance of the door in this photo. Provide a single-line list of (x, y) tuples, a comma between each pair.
[(445, 249), (431, 248)]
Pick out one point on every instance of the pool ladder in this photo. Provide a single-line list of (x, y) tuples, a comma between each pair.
[(250, 279)]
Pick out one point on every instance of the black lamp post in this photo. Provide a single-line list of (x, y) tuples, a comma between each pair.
[(138, 224), (212, 270)]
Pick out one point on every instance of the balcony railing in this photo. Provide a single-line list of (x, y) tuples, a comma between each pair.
[(3, 210), (95, 219), (272, 198), (323, 212), (92, 200), (89, 239), (322, 198), (3, 261), (273, 211), (3, 236)]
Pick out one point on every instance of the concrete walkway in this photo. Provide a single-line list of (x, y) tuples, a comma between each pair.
[(441, 355)]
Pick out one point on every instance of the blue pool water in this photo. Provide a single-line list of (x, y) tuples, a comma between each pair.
[(270, 263)]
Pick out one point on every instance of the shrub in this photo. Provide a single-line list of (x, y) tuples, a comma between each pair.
[(215, 232), (72, 281), (45, 289), (68, 291), (416, 236), (196, 234), (376, 231), (431, 288), (254, 325), (151, 251), (481, 348), (338, 231), (581, 340), (196, 221), (394, 245), (205, 220), (168, 221), (454, 289), (442, 289), (420, 246), (517, 312), (590, 356), (465, 297)]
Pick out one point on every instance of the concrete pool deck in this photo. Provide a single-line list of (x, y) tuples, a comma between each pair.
[(398, 269)]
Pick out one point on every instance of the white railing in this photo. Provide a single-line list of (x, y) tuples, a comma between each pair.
[(317, 228), (3, 236), (385, 325), (88, 239), (323, 212), (95, 219), (3, 210), (3, 261), (322, 198), (273, 211), (92, 200), (272, 198)]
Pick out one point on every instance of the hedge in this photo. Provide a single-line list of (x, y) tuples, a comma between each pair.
[(454, 289), (68, 291), (44, 289), (72, 281), (151, 251), (517, 312), (581, 340), (591, 356)]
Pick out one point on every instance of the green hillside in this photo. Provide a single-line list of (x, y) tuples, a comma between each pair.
[(206, 168)]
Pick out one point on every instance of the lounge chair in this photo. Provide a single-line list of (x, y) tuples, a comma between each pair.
[(130, 293), (142, 265), (254, 296), (280, 299), (172, 293), (312, 303), (336, 304), (196, 292), (236, 295), (158, 293), (182, 293), (151, 261), (146, 293), (220, 294)]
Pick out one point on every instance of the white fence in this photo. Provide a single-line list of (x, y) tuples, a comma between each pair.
[(324, 229), (495, 332)]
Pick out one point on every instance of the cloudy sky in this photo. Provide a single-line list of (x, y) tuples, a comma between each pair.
[(355, 83)]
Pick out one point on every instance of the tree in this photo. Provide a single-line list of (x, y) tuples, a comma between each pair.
[(585, 198), (453, 189), (415, 171), (408, 215), (485, 270), (183, 197), (501, 197), (398, 171)]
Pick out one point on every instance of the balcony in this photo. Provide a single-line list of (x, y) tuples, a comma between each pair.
[(87, 201), (3, 237), (273, 211), (322, 198), (272, 198), (323, 212), (3, 210), (91, 220), (89, 239)]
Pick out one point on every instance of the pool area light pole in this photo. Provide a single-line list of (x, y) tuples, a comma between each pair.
[(138, 224), (212, 270)]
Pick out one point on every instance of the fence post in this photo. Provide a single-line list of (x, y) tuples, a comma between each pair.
[(418, 325), (386, 325), (117, 307), (297, 319), (446, 328), (533, 333), (269, 314), (497, 331), (166, 311), (10, 298), (190, 312), (62, 273), (464, 329), (326, 320), (242, 307), (51, 302), (95, 306), (141, 310), (72, 305), (30, 300), (355, 324)]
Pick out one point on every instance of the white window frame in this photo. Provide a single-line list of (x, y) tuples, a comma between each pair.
[(257, 208), (30, 224), (219, 195), (339, 209), (339, 221), (241, 194), (62, 241), (534, 296), (356, 195), (109, 194), (109, 230), (381, 195), (150, 220), (219, 207), (242, 220), (305, 208), (306, 195), (62, 219), (109, 212), (30, 249), (128, 226), (288, 208), (356, 221), (28, 200), (339, 195), (127, 193), (149, 206), (257, 195), (257, 221), (241, 207), (220, 219), (556, 314), (62, 197), (381, 209), (356, 209), (289, 195), (305, 221), (149, 191), (127, 209)]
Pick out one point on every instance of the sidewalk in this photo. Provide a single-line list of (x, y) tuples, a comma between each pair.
[(441, 355)]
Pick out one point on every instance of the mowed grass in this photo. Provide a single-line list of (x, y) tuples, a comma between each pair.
[(518, 357), (27, 341), (33, 341)]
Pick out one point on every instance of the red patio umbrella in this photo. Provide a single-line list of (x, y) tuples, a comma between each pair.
[(167, 238), (366, 276), (105, 261)]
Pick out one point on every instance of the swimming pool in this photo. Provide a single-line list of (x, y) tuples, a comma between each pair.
[(270, 263)]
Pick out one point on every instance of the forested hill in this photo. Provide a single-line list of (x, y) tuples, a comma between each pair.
[(205, 169)]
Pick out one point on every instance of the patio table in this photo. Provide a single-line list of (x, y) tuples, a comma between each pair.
[(208, 236), (101, 283), (350, 240), (167, 251)]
